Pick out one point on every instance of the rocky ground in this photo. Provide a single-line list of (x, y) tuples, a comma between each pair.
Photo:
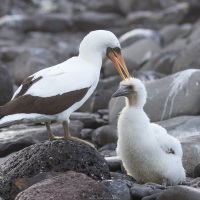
[(162, 49)]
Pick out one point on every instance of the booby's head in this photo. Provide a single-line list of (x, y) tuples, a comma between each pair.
[(101, 43), (134, 90)]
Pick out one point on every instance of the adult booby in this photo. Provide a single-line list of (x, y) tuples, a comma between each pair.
[(148, 152), (52, 94)]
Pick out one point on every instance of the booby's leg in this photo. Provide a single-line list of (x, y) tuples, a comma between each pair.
[(50, 134), (66, 130), (68, 136)]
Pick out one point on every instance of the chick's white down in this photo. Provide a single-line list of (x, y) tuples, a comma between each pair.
[(148, 152)]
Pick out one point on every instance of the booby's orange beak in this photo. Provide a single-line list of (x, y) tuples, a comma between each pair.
[(115, 56)]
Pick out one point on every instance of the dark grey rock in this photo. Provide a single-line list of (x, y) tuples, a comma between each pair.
[(100, 99), (119, 188), (197, 171), (86, 133), (180, 193), (6, 87), (102, 6), (161, 62), (140, 191), (171, 32), (22, 184), (89, 120), (176, 46), (194, 36), (188, 57), (108, 150), (172, 96), (137, 52), (114, 163), (17, 137), (134, 35), (195, 182), (108, 153), (65, 187), (109, 69), (95, 20), (105, 135), (54, 22), (32, 61), (183, 126), (120, 176), (18, 22), (149, 19), (191, 157), (52, 156)]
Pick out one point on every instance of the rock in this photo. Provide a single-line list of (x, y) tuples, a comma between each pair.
[(179, 98), (114, 163), (188, 58), (195, 182), (102, 6), (6, 87), (180, 193), (191, 157), (134, 35), (9, 54), (89, 120), (3, 159), (22, 184), (105, 135), (149, 19), (194, 36), (86, 133), (32, 61), (161, 62), (90, 20), (52, 156), (172, 96), (65, 187), (120, 176), (136, 52), (54, 22), (182, 126), (119, 188), (197, 171), (139, 191), (18, 137), (125, 6), (108, 150), (19, 22), (147, 75), (109, 69), (171, 32), (100, 100), (178, 45)]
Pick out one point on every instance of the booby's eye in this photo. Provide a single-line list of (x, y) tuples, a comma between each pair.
[(117, 50)]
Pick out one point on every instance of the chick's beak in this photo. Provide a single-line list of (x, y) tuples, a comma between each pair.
[(119, 63), (123, 91)]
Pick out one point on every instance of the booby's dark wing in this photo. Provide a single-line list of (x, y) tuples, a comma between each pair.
[(42, 105)]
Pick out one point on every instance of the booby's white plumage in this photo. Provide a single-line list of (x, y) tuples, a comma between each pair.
[(55, 92), (148, 152)]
